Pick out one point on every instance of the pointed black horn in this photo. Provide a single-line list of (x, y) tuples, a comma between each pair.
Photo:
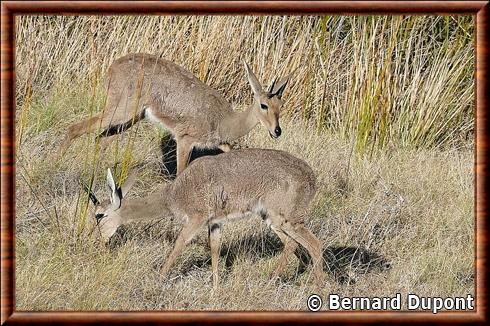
[(91, 195), (272, 86)]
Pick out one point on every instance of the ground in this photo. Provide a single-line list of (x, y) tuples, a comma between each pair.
[(401, 221)]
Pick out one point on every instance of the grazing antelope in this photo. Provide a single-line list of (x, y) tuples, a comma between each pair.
[(146, 86), (213, 189)]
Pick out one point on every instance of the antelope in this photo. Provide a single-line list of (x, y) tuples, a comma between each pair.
[(146, 86), (214, 189)]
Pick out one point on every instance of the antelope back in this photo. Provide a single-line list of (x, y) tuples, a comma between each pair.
[(242, 180), (168, 90)]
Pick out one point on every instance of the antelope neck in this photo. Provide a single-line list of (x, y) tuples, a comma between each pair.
[(238, 124)]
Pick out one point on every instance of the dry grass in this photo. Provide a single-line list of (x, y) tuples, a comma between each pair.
[(380, 79), (412, 209), (409, 205)]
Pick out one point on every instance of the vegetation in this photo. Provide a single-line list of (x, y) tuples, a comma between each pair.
[(380, 79), (381, 108)]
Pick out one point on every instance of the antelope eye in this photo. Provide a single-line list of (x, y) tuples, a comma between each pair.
[(98, 217), (263, 106)]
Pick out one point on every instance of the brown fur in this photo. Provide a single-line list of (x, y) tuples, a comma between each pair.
[(146, 86), (213, 189)]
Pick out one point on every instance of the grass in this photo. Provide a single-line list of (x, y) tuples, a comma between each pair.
[(380, 107), (403, 79), (411, 209)]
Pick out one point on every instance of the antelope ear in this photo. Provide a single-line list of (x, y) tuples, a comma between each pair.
[(252, 80), (116, 193), (128, 183)]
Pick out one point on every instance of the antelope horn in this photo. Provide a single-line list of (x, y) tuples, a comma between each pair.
[(272, 86), (91, 195)]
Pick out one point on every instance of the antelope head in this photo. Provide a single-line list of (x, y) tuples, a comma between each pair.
[(107, 212), (267, 104)]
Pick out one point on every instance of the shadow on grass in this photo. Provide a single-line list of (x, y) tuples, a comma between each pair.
[(168, 148), (339, 262)]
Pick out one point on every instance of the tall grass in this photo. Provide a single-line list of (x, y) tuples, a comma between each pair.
[(397, 83), (397, 79)]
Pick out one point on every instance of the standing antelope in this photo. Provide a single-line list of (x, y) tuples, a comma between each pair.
[(273, 184), (145, 86)]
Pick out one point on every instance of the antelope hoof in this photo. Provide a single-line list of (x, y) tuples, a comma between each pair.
[(163, 275), (275, 277), (275, 274), (275, 280)]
